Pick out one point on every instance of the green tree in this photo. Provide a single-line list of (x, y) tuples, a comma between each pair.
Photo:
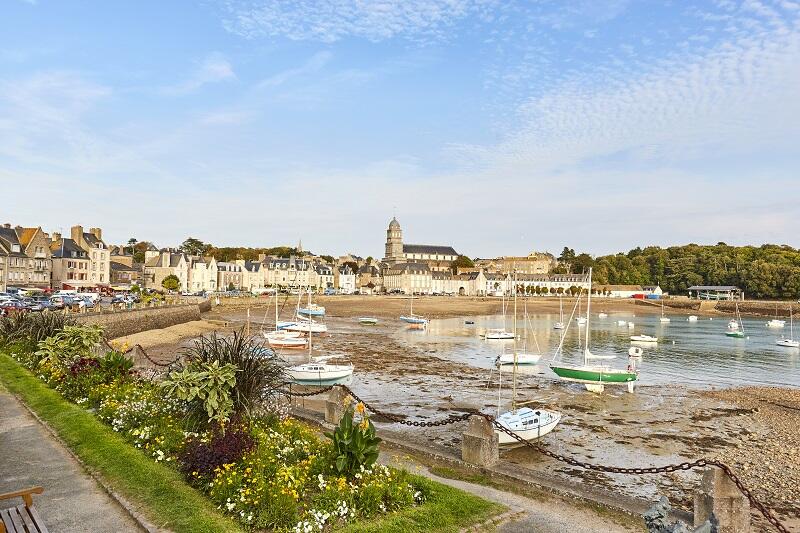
[(194, 246), (131, 243), (462, 261), (171, 283), (369, 260)]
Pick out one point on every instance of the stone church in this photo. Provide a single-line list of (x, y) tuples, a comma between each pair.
[(438, 258)]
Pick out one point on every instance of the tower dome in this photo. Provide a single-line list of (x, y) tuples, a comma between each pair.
[(394, 224)]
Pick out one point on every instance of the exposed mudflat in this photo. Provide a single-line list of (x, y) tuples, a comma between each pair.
[(753, 429)]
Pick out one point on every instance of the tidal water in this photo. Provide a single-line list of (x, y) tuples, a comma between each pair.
[(695, 354)]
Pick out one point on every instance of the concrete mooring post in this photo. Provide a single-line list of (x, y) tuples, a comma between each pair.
[(334, 405), (720, 497), (480, 445)]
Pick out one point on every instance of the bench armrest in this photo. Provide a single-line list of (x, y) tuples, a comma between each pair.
[(25, 494)]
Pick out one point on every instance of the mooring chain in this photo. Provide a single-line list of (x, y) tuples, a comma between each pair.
[(765, 511)]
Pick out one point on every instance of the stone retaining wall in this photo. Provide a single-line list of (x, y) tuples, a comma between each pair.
[(121, 323)]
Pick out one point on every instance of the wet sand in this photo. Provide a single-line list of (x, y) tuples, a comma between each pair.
[(656, 425)]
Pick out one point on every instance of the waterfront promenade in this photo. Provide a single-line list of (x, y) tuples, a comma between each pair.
[(31, 456)]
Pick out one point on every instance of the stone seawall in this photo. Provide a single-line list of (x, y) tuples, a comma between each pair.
[(121, 323)]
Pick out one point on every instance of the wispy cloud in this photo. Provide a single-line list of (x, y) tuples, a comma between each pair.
[(332, 20), (213, 69), (314, 64)]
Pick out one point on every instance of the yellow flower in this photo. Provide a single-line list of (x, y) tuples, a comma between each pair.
[(364, 424), (360, 408)]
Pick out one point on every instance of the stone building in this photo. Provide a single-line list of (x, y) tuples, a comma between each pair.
[(159, 265), (533, 263), (14, 266), (98, 252), (437, 258), (70, 264), (230, 276), (408, 278)]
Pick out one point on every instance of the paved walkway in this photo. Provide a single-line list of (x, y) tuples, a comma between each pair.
[(30, 456), (525, 515)]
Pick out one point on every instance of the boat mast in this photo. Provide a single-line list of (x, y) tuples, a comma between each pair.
[(514, 381), (588, 307)]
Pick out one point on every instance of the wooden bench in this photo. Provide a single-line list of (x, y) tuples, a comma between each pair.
[(22, 518)]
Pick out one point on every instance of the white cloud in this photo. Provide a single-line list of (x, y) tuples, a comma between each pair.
[(213, 69), (314, 64), (331, 20)]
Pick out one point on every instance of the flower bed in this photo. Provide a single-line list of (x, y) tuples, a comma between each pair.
[(264, 471)]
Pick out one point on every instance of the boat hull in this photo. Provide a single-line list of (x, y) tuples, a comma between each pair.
[(788, 343), (299, 375), (311, 312), (594, 375), (527, 434), (522, 358), (735, 334), (368, 321), (413, 320)]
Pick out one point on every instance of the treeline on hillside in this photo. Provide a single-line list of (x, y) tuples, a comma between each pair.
[(194, 246), (768, 271)]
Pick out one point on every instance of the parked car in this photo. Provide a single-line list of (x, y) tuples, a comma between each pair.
[(329, 292), (60, 301), (12, 306)]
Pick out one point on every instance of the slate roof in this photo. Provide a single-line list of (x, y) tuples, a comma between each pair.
[(428, 249), (121, 267), (69, 248), (414, 268), (9, 236)]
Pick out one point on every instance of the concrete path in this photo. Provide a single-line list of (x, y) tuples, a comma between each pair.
[(30, 456), (528, 515)]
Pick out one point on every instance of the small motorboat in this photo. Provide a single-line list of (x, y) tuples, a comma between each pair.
[(602, 315), (664, 319), (498, 335), (644, 338), (692, 318), (631, 325), (307, 327), (622, 322), (528, 423), (581, 320), (522, 359), (775, 323), (368, 320), (469, 322)]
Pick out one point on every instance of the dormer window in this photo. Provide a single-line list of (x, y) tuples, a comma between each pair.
[(15, 248)]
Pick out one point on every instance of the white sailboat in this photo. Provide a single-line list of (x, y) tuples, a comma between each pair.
[(306, 324), (318, 370), (560, 323), (523, 357), (500, 334), (527, 423), (776, 322), (581, 320), (283, 339), (644, 338), (663, 319), (411, 318), (790, 342), (736, 326)]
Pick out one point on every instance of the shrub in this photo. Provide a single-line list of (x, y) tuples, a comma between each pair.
[(260, 370), (209, 384), (116, 364), (205, 455), (355, 444), (68, 345), (32, 328)]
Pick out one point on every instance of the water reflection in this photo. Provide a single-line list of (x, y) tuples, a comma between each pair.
[(690, 353)]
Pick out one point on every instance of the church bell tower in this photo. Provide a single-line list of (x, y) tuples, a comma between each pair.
[(394, 243)]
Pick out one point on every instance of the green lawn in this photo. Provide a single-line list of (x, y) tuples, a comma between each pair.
[(449, 509), (161, 494)]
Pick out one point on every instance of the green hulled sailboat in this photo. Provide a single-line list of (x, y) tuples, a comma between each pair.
[(595, 375)]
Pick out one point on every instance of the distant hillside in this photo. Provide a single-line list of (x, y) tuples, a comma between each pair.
[(768, 271)]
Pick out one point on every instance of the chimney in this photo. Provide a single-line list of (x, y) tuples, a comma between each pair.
[(7, 225), (76, 234), (56, 236), (97, 232)]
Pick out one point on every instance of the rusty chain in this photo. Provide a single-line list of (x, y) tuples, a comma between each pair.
[(765, 511)]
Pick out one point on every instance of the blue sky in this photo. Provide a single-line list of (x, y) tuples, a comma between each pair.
[(498, 127)]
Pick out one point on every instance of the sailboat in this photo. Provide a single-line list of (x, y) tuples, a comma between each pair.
[(527, 423), (594, 375), (776, 322), (317, 370), (306, 324), (500, 334), (519, 358), (411, 318), (735, 326), (281, 338), (581, 320), (790, 342), (560, 323), (663, 319)]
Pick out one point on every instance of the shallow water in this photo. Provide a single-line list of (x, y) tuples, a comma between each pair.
[(696, 354)]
